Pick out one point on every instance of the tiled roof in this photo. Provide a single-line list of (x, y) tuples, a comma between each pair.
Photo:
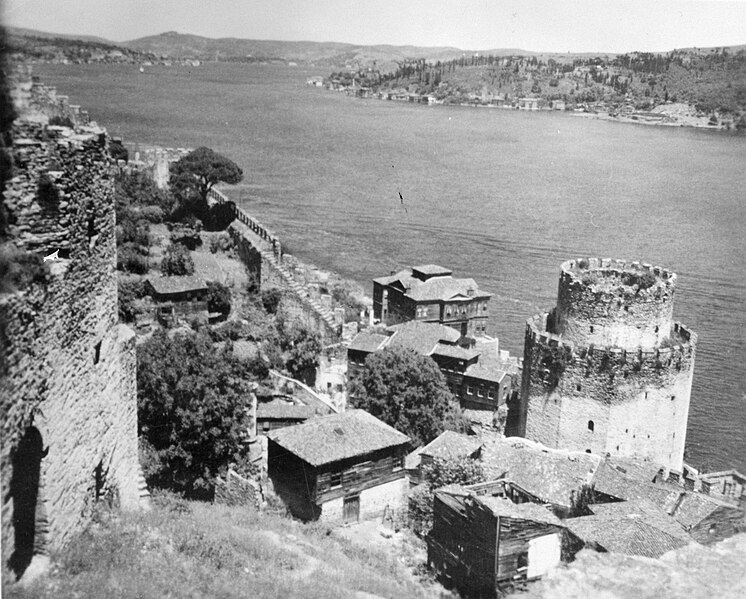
[(421, 336), (169, 285), (451, 445), (484, 373), (368, 342), (455, 351), (435, 288), (629, 532), (549, 474), (645, 509), (337, 437), (278, 409), (432, 270), (695, 507)]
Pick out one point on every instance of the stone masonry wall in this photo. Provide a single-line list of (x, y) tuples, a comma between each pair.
[(68, 368), (261, 252), (595, 306), (605, 398)]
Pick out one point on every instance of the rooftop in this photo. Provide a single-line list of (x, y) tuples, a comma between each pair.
[(432, 283), (632, 528), (450, 445), (278, 409), (549, 474), (337, 437), (368, 342), (422, 336), (173, 285)]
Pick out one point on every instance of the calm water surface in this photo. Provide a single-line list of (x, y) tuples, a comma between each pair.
[(500, 196)]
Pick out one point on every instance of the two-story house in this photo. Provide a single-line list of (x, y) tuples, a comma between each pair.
[(341, 467), (429, 293)]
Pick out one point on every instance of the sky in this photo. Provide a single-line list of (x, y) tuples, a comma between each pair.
[(538, 25)]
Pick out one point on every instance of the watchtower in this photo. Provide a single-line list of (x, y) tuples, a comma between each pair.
[(608, 370)]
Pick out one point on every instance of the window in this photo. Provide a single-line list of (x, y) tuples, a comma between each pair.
[(97, 352), (448, 311), (398, 463), (469, 390), (484, 307), (336, 480), (480, 392), (490, 394), (577, 386), (591, 426), (591, 328), (587, 451), (673, 397)]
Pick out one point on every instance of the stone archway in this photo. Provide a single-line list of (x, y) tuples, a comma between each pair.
[(29, 520)]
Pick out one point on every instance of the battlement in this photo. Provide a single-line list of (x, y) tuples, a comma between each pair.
[(35, 101), (606, 275), (681, 345)]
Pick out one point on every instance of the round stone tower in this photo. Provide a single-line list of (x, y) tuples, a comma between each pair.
[(608, 370)]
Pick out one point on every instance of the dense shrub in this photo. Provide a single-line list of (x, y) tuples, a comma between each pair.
[(187, 235), (19, 269), (177, 261), (442, 472), (152, 214), (128, 292), (221, 243), (270, 299), (118, 151), (302, 348), (218, 298), (219, 216), (130, 258)]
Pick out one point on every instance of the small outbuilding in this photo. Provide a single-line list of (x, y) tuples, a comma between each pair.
[(343, 467)]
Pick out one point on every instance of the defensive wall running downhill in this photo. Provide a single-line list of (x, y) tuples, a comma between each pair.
[(68, 394), (608, 371), (38, 101), (261, 252)]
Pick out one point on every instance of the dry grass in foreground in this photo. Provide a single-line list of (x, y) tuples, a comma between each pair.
[(187, 549)]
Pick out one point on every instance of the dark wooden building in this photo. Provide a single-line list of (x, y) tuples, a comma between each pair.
[(429, 293), (342, 467), (177, 296), (482, 543)]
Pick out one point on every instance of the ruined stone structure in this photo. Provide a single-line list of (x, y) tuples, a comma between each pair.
[(68, 404), (608, 370)]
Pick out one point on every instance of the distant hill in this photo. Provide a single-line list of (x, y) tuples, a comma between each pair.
[(23, 32)]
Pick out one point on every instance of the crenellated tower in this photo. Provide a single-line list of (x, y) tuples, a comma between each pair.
[(608, 370)]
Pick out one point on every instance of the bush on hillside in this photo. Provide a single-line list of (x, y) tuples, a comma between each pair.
[(218, 298), (177, 261), (128, 293), (130, 258)]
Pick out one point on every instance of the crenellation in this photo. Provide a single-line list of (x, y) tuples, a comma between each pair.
[(583, 364)]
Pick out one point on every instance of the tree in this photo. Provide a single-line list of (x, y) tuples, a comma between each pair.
[(407, 391), (192, 409), (177, 261), (194, 175)]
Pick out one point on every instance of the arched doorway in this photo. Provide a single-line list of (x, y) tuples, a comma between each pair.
[(25, 490)]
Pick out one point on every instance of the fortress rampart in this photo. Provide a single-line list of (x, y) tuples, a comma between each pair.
[(68, 402), (593, 382), (36, 101), (261, 251)]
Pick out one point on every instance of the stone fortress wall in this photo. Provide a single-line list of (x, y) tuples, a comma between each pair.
[(608, 370), (68, 403)]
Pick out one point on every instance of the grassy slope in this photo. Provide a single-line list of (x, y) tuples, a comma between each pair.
[(184, 549)]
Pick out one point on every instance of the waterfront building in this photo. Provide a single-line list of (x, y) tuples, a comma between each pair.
[(430, 293)]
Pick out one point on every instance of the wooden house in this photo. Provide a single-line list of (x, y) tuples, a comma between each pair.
[(177, 296), (344, 467), (430, 293), (483, 543)]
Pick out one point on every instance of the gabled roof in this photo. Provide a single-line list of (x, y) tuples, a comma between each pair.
[(631, 534), (454, 351), (692, 508), (368, 342), (551, 475), (437, 287), (176, 284), (421, 336), (328, 439), (450, 445), (505, 508)]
